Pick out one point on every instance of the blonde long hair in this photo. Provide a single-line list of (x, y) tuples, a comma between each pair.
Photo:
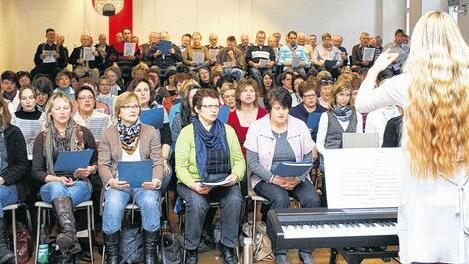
[(436, 118)]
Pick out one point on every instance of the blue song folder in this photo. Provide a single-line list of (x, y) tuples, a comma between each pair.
[(164, 46), (223, 113), (135, 172), (153, 117), (70, 161), (292, 169), (313, 120)]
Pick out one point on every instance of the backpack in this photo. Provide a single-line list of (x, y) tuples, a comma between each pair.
[(131, 246), (262, 243), (24, 243)]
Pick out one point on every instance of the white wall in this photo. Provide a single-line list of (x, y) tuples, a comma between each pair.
[(234, 17), (24, 23)]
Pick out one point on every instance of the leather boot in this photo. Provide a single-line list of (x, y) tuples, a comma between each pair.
[(111, 242), (66, 239), (192, 257), (150, 240), (66, 257), (6, 255), (228, 254)]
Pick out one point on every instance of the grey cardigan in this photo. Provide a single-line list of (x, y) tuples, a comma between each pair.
[(110, 151)]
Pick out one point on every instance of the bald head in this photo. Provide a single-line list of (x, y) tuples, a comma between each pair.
[(244, 40), (213, 39), (85, 40), (301, 38), (336, 41)]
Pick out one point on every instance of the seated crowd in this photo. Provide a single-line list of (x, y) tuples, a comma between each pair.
[(266, 91)]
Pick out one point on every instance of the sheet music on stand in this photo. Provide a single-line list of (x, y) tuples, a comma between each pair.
[(364, 177), (30, 129), (97, 125)]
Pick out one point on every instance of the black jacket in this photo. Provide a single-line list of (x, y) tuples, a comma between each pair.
[(75, 56), (17, 158)]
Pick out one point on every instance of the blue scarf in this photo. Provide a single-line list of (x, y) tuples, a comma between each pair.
[(343, 113), (215, 139)]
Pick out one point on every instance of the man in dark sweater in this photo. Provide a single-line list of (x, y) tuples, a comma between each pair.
[(83, 65), (107, 52), (357, 52), (260, 58), (49, 56)]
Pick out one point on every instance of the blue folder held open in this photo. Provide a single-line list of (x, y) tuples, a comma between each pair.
[(153, 117), (164, 46), (70, 161), (313, 121), (292, 169), (223, 113), (135, 172)]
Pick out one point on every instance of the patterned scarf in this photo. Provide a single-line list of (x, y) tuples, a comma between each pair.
[(343, 113), (129, 135)]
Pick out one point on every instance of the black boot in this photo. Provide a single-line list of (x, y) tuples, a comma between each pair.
[(150, 246), (192, 257), (66, 257), (6, 255), (228, 254), (66, 239), (111, 242)]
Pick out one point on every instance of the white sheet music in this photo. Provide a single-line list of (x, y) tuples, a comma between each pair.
[(88, 53), (198, 57), (129, 49), (368, 54), (97, 125), (30, 129), (364, 177), (49, 56)]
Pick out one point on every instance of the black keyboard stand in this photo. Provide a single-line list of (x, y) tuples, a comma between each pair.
[(356, 257)]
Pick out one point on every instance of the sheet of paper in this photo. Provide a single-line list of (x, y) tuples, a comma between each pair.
[(213, 184), (364, 177), (88, 53), (97, 125), (368, 54), (263, 63), (229, 64), (198, 57), (49, 56), (30, 129), (213, 54), (129, 49), (295, 62)]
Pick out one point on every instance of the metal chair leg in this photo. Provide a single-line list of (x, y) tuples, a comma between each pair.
[(90, 238), (38, 228), (13, 223)]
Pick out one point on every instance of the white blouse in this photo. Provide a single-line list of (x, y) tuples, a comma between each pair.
[(433, 214), (324, 125)]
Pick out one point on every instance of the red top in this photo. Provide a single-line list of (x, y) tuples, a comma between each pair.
[(241, 131)]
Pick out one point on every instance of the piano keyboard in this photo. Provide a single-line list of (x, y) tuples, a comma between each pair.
[(342, 229)]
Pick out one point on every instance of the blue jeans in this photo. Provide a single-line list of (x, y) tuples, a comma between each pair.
[(116, 200), (236, 73), (80, 191), (8, 195)]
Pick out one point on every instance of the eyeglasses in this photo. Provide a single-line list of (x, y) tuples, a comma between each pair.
[(129, 107), (84, 98), (211, 107)]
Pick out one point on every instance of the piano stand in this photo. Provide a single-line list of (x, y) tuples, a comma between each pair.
[(356, 257)]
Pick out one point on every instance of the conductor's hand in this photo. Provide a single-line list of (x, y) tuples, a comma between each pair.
[(384, 60), (199, 188), (154, 184), (119, 185)]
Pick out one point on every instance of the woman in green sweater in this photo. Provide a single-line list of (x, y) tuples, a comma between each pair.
[(219, 160)]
